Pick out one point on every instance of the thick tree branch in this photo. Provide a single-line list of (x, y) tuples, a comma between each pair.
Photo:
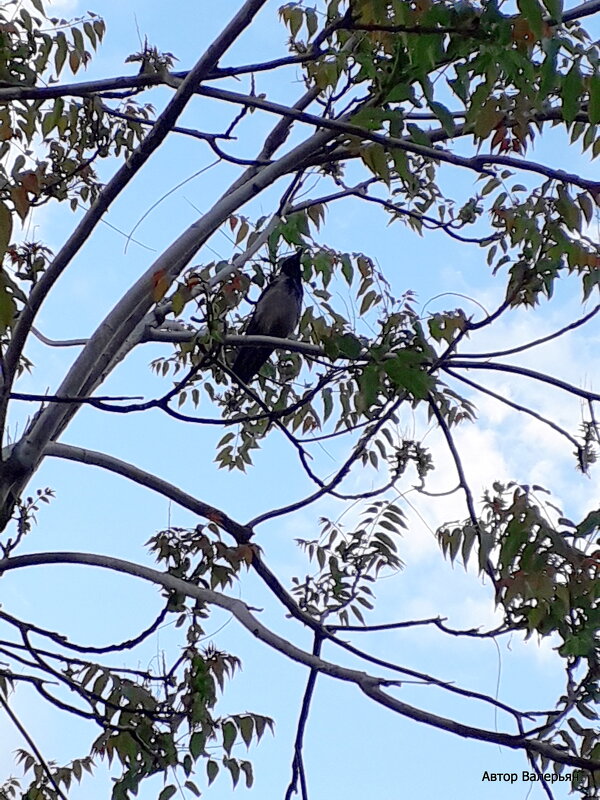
[(585, 9), (371, 685), (114, 187), (271, 581), (241, 533), (100, 354)]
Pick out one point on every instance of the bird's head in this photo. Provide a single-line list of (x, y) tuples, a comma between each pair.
[(291, 265)]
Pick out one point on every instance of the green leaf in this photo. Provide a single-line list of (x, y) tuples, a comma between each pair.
[(8, 307), (548, 73), (586, 205), (469, 534), (6, 226), (568, 210), (191, 786), (212, 770), (571, 91), (486, 543), (327, 399), (177, 303), (590, 280), (400, 93), (589, 524), (445, 117), (295, 20), (349, 345), (234, 769), (369, 387), (533, 13), (167, 792), (487, 118), (404, 372), (554, 8), (197, 743), (594, 104), (312, 22), (582, 644), (375, 158), (229, 732), (347, 270), (246, 725), (61, 52), (246, 768), (418, 135)]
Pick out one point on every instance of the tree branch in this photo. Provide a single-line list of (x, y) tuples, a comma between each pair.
[(369, 684), (105, 347), (536, 342), (516, 406), (298, 773), (241, 533), (479, 163), (114, 187), (456, 363), (34, 748)]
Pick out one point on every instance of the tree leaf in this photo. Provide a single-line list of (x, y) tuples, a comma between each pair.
[(212, 770), (6, 226), (594, 104), (445, 117), (229, 732), (571, 91)]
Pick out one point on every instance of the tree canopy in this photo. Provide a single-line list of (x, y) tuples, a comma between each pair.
[(470, 125)]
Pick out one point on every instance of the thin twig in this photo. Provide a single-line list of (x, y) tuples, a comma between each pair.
[(456, 363), (516, 406), (437, 621), (34, 748), (298, 772), (536, 342)]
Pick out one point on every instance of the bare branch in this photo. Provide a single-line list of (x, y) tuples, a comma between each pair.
[(340, 475), (536, 342), (241, 533), (57, 342), (456, 363), (437, 621), (457, 460), (516, 406), (582, 10), (34, 748), (298, 773), (62, 640)]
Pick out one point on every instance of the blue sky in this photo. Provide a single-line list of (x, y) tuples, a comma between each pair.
[(353, 749)]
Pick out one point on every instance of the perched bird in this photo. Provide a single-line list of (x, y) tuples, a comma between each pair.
[(276, 314)]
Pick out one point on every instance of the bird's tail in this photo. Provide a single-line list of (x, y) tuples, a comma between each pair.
[(248, 362)]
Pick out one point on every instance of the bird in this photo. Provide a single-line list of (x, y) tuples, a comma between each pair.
[(277, 313)]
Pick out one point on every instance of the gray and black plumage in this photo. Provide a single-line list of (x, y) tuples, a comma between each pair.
[(277, 313)]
